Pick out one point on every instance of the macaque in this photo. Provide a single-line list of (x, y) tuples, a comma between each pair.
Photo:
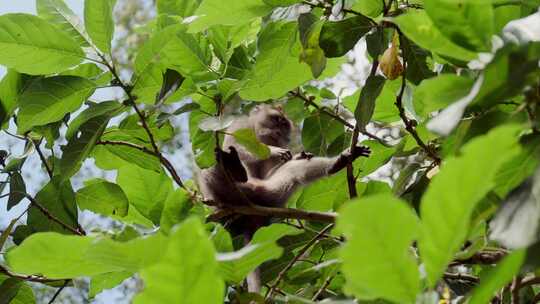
[(239, 178)]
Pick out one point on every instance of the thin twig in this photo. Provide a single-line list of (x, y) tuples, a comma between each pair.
[(58, 291), (300, 253), (29, 278), (323, 288), (43, 159), (514, 289)]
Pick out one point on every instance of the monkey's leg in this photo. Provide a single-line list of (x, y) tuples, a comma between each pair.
[(231, 164)]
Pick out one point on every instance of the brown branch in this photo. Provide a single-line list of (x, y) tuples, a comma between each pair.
[(481, 258), (410, 124), (536, 299), (530, 281), (300, 253), (285, 213), (28, 278), (145, 126), (48, 214), (323, 288), (43, 159), (514, 289)]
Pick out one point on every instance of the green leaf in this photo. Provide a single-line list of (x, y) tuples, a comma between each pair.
[(47, 100), (445, 212), (69, 256), (417, 26), (17, 190), (10, 88), (48, 50), (188, 271), (90, 71), (175, 210), (322, 195), (202, 143), (278, 3), (372, 8), (25, 294), (104, 281), (496, 278), (439, 92), (235, 266), (9, 288), (112, 157), (99, 22), (416, 57), (366, 104), (94, 110), (58, 199), (377, 261), (146, 190), (212, 12), (79, 147), (338, 37), (103, 197), (184, 8), (312, 54), (248, 139), (469, 24), (319, 131), (277, 69), (58, 13)]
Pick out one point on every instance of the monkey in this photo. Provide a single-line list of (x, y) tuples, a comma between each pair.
[(272, 128), (239, 178)]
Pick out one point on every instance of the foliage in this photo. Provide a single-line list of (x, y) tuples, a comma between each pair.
[(461, 89)]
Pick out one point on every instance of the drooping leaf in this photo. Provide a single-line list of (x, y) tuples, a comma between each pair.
[(312, 54), (188, 271), (338, 37), (47, 100), (47, 50), (103, 197), (248, 139), (212, 12), (445, 212), (59, 14), (94, 110), (366, 104), (417, 26), (79, 147), (17, 190), (377, 261), (101, 282), (99, 22)]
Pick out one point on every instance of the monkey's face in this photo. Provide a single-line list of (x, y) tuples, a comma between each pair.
[(271, 126)]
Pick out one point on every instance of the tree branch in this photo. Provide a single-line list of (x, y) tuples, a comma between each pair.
[(300, 253), (43, 159), (57, 293), (410, 124), (29, 278)]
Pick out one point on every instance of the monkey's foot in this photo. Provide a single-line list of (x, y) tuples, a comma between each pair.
[(231, 164), (280, 153)]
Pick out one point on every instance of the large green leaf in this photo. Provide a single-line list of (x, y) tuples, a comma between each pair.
[(372, 8), (47, 100), (248, 139), (104, 281), (188, 271), (94, 110), (417, 26), (235, 266), (439, 92), (99, 22), (146, 190), (79, 147), (31, 45), (184, 8), (469, 24), (59, 14), (445, 211), (377, 259), (277, 69), (338, 37), (496, 278), (58, 199), (212, 12), (60, 256), (366, 104), (103, 197)]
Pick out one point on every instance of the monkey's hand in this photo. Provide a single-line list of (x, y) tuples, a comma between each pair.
[(280, 153), (303, 155), (360, 151)]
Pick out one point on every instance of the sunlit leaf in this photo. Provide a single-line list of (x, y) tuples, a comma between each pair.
[(103, 197), (99, 22)]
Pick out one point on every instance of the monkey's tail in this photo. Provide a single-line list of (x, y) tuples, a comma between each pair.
[(253, 279)]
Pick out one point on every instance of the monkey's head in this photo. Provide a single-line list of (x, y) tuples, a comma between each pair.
[(271, 125)]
